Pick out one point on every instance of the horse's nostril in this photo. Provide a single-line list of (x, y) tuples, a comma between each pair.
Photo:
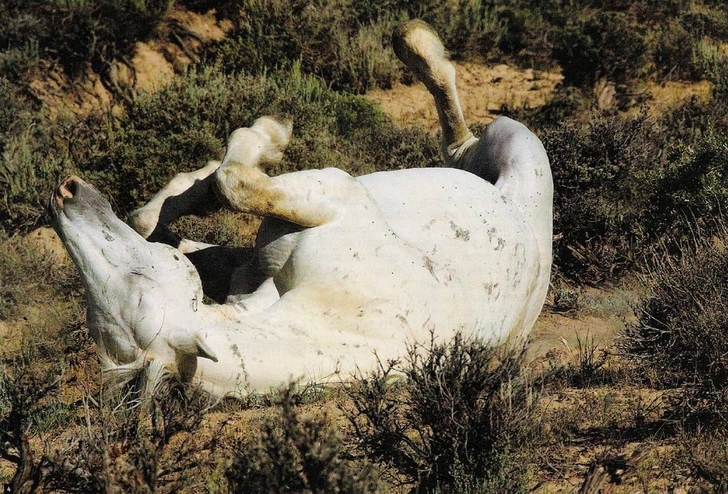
[(69, 187), (67, 190)]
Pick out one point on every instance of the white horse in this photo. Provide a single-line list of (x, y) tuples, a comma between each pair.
[(345, 270)]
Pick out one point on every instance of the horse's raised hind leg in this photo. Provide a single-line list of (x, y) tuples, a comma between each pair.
[(194, 193), (417, 45)]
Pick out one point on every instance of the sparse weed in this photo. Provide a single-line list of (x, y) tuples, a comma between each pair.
[(589, 368)]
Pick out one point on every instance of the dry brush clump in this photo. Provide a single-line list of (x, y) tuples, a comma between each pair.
[(454, 417), (681, 337), (298, 452), (121, 442)]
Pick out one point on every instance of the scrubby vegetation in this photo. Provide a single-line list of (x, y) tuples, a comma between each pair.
[(640, 195), (458, 422), (680, 337), (298, 452)]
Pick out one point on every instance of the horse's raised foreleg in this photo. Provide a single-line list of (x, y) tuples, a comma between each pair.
[(186, 194), (307, 198)]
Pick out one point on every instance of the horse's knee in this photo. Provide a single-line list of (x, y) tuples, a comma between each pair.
[(264, 142)]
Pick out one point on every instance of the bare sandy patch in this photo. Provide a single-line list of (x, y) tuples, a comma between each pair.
[(483, 90), (204, 27), (671, 93), (152, 70), (183, 36), (46, 243)]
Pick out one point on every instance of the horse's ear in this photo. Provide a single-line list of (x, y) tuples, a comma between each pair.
[(192, 343)]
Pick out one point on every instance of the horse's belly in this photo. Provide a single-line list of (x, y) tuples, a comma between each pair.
[(469, 232)]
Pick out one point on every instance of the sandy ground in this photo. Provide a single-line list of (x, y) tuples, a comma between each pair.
[(483, 90)]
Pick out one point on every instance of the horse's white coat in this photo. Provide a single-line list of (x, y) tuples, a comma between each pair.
[(356, 270)]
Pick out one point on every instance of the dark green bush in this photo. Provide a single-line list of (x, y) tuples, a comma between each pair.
[(675, 51), (76, 33), (321, 37), (623, 184), (603, 183), (693, 191), (688, 47), (525, 38), (460, 421), (600, 44)]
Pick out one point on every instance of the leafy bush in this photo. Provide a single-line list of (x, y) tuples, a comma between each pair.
[(693, 190), (602, 44), (460, 421), (625, 183), (297, 453), (602, 179), (674, 51), (347, 43), (518, 40)]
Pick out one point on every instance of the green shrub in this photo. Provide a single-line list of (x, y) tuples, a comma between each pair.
[(76, 33), (567, 298), (603, 184), (460, 421), (321, 37), (674, 51), (525, 38), (688, 46), (693, 191), (600, 44)]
